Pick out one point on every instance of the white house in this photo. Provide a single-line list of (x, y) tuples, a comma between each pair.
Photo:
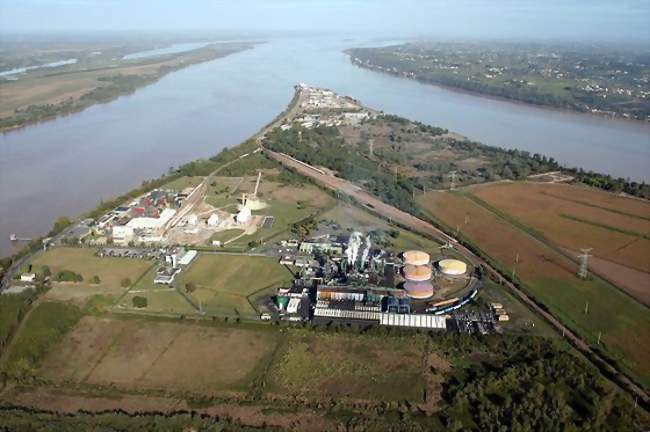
[(27, 277)]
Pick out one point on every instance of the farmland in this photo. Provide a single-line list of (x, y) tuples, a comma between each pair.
[(551, 278), (139, 354), (43, 94), (224, 283), (110, 270), (573, 218)]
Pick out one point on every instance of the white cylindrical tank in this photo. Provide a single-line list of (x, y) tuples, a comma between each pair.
[(452, 267), (244, 215)]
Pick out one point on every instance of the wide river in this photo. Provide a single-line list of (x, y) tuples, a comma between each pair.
[(66, 166)]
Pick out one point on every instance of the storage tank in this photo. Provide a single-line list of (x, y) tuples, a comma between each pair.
[(452, 267), (414, 257), (419, 290), (417, 273)]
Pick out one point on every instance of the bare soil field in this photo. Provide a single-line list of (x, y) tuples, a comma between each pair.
[(545, 207), (139, 354), (551, 278), (111, 270)]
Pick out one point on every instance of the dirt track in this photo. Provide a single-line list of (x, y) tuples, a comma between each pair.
[(392, 213)]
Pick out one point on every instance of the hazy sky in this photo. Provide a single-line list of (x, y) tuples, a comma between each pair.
[(529, 19)]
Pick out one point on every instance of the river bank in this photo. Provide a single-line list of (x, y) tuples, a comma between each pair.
[(35, 99), (65, 166)]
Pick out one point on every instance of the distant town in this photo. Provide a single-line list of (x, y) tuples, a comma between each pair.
[(583, 78)]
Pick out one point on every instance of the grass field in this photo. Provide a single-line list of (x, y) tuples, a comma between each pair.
[(183, 183), (551, 278), (160, 298), (288, 205), (45, 326), (224, 282), (320, 366), (11, 307), (111, 271), (143, 354)]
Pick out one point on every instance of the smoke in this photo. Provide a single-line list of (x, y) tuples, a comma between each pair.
[(354, 247), (352, 251), (366, 251)]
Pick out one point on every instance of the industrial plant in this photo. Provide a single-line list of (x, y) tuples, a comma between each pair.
[(350, 281)]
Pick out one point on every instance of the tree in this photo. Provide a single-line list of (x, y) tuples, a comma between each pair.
[(45, 271), (139, 302), (190, 287), (95, 280), (125, 283)]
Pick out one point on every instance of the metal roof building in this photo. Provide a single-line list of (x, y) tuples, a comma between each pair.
[(417, 321)]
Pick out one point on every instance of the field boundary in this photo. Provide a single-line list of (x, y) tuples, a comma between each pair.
[(539, 237), (605, 226), (587, 204)]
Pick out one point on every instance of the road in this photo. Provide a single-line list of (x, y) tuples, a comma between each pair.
[(387, 211)]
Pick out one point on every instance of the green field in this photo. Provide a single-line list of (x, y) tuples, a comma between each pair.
[(111, 271), (46, 325), (183, 183), (224, 283), (12, 306), (160, 298)]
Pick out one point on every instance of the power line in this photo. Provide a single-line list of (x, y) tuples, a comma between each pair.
[(452, 181), (584, 263)]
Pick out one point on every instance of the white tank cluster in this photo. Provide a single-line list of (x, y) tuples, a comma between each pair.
[(417, 272)]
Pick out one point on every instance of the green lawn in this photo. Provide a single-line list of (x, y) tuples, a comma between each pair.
[(45, 327), (184, 182), (226, 235), (11, 307), (160, 298), (111, 271), (224, 282)]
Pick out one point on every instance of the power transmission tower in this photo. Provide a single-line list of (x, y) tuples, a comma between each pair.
[(584, 263), (452, 181)]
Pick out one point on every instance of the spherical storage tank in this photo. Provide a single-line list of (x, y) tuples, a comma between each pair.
[(419, 290), (452, 267), (414, 257), (417, 273)]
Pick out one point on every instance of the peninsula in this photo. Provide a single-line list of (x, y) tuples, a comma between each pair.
[(343, 268)]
